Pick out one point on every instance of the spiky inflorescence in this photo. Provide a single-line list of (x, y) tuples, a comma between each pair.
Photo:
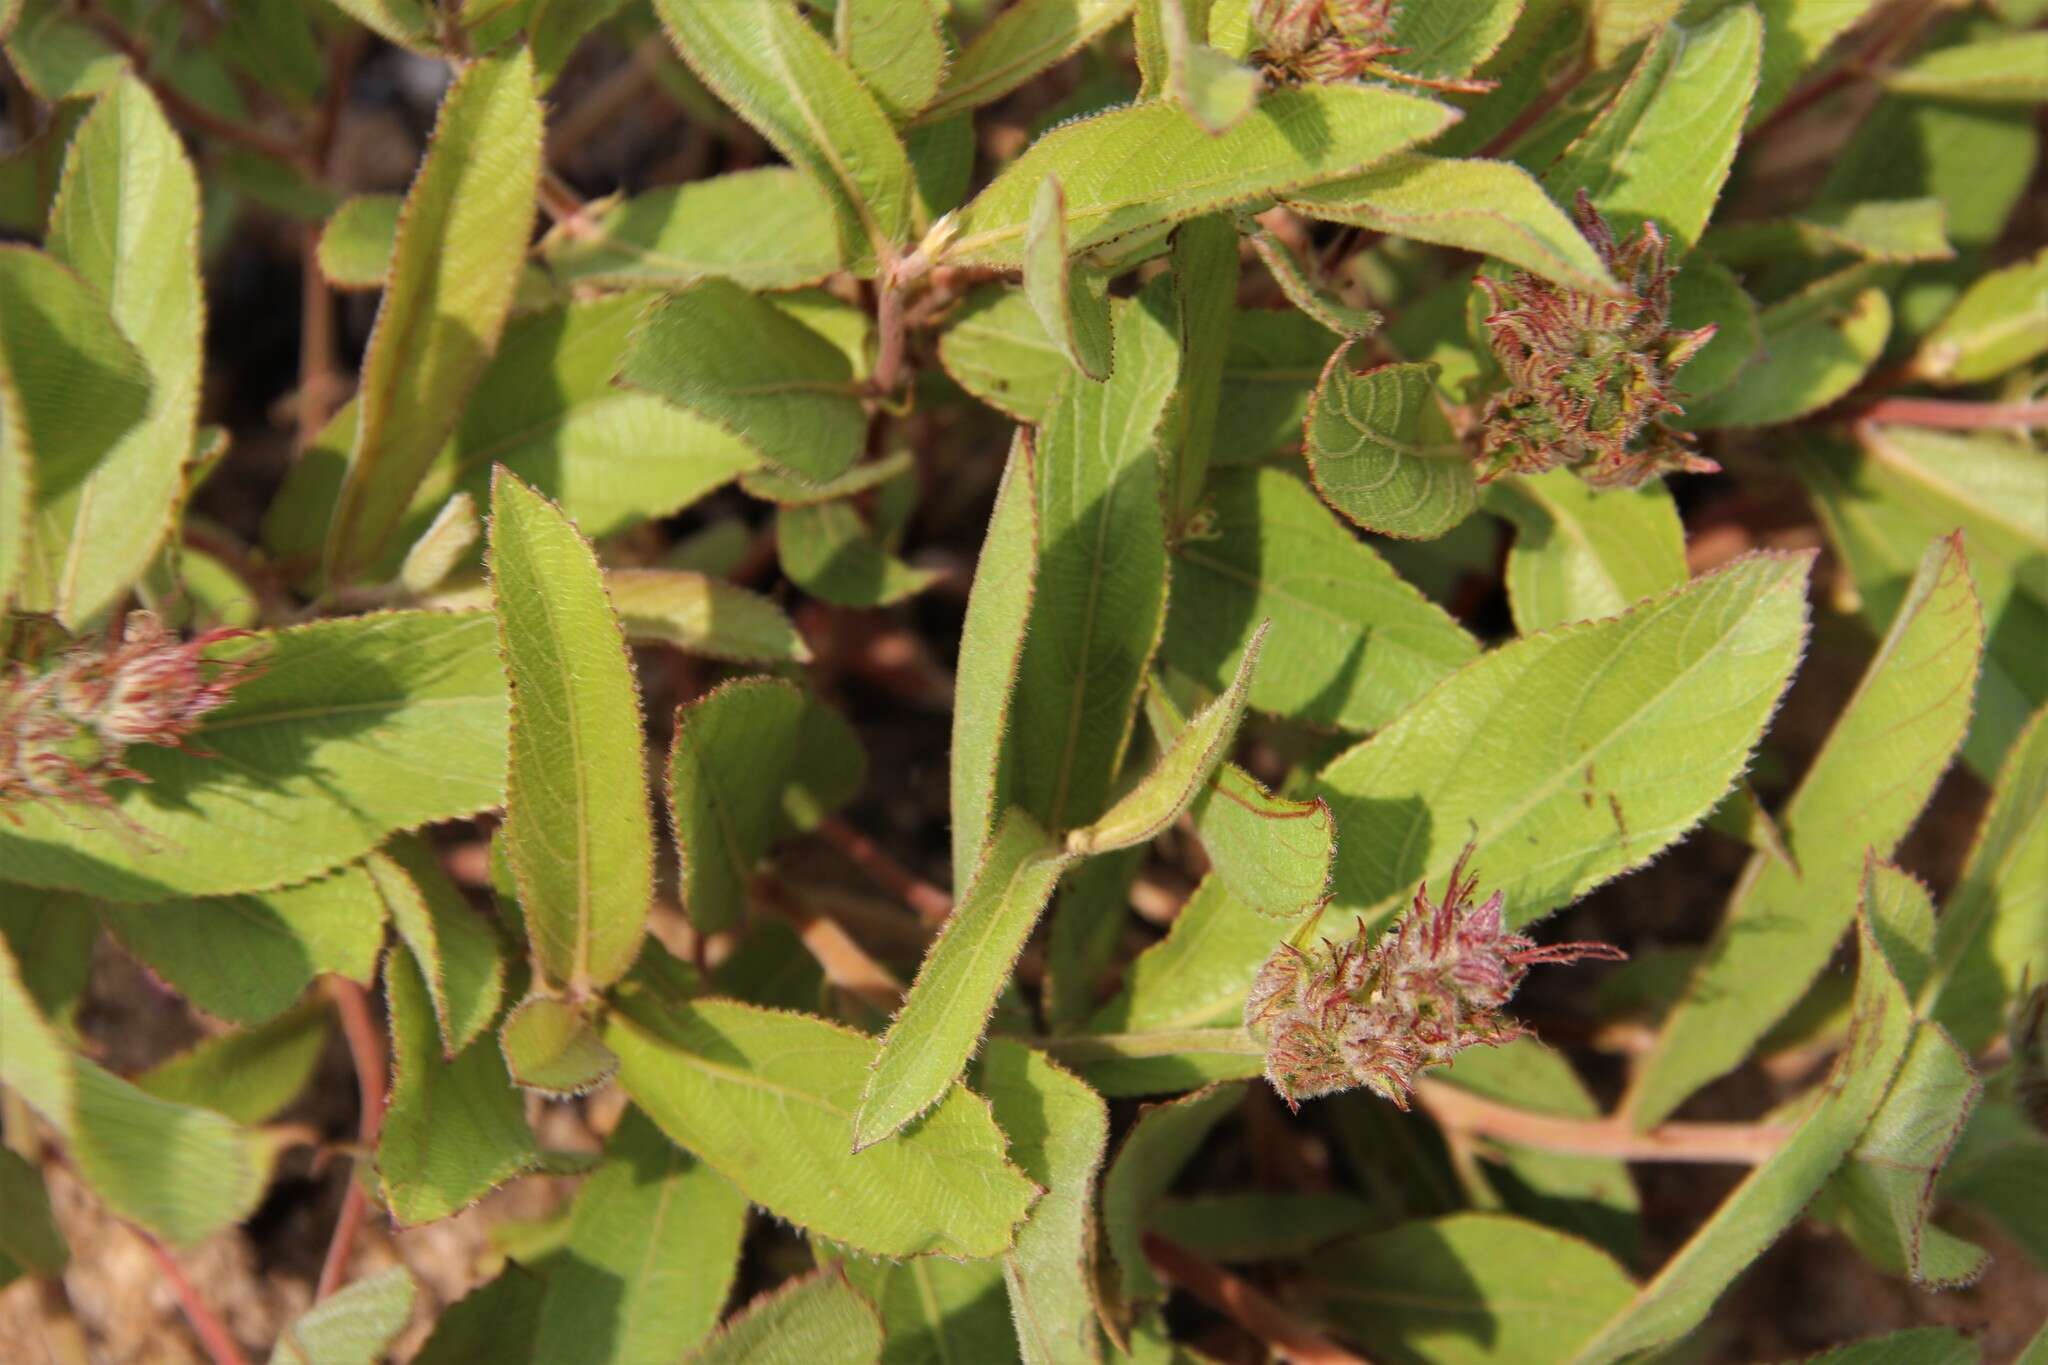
[(1319, 41), (65, 731), (1379, 1014), (1589, 376)]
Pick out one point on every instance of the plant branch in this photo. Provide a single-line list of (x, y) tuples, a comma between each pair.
[(366, 1050), (186, 110), (1244, 1304), (847, 965), (891, 331), (1955, 414), (213, 1334), (931, 904), (1739, 1144)]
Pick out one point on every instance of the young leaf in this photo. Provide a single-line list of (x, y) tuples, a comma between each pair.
[(577, 822), (780, 74), (1151, 164), (1816, 345), (744, 364), (1669, 699), (356, 241), (2001, 69), (1198, 974), (1382, 452), (1205, 279), (353, 728), (248, 1075), (654, 1243), (1896, 231), (948, 1007), (1072, 308), (550, 1047), (701, 615), (1026, 38), (1157, 1146), (818, 1319), (458, 952), (1583, 552), (767, 228), (1864, 791), (753, 761), (455, 1129), (355, 1326), (767, 1100), (1706, 291), (991, 648), (1999, 324), (897, 49), (462, 237)]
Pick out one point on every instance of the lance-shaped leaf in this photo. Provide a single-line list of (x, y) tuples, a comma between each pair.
[(1999, 323), (1205, 279), (458, 952), (1072, 307), (577, 822), (551, 1047), (702, 615), (456, 1128), (948, 1007), (1583, 552), (353, 728), (357, 239), (355, 1326), (1382, 452), (1815, 346), (126, 220), (1023, 40), (16, 492), (1158, 1145), (1864, 790), (752, 762), (1351, 643), (2007, 68), (248, 1075), (654, 1242), (1162, 1063), (818, 1318), (736, 359), (1494, 208), (934, 1309), (1706, 291), (1198, 974), (896, 48), (1152, 164), (767, 1100), (768, 228), (1666, 702), (462, 237), (1101, 594), (78, 384), (991, 648), (779, 73)]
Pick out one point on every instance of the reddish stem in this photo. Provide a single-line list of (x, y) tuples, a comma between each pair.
[(1245, 1305), (931, 904), (1957, 415), (213, 1334), (366, 1050), (1740, 1144)]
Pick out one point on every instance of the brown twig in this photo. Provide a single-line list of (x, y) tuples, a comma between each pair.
[(891, 333), (559, 200), (1859, 66), (366, 1050), (1739, 1144), (213, 1334), (931, 904), (1956, 415), (1244, 1304), (1536, 110), (847, 965), (181, 108)]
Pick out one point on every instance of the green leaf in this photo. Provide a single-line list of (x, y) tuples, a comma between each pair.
[(77, 383), (354, 1326), (1863, 791), (1217, 91), (462, 238), (447, 541), (1913, 1346), (654, 1243), (551, 1047), (496, 1323), (1884, 230), (767, 1099), (817, 1319), (29, 1238), (1667, 701), (779, 74), (246, 958), (1494, 208), (1206, 273), (455, 1129), (1157, 1146), (1072, 308), (832, 554), (1706, 291), (1161, 1063), (1662, 148), (948, 1007), (1351, 642), (1026, 38), (897, 49), (457, 950), (357, 240), (1469, 1288), (740, 362), (1198, 974), (1303, 292), (1972, 157), (933, 1309), (54, 936), (126, 220), (1451, 38), (2008, 67), (16, 489), (991, 648), (577, 822), (1999, 324), (1151, 164), (1089, 917), (248, 1075), (1816, 345), (1100, 600), (1583, 552), (408, 23), (1382, 452), (753, 761), (998, 350), (702, 615), (354, 728), (767, 228), (1262, 1225), (1058, 1130)]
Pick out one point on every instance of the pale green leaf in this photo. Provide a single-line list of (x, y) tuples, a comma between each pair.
[(1797, 33), (29, 1236), (1974, 158), (785, 490), (578, 825), (768, 1099), (1198, 974), (447, 541), (16, 489), (2000, 323), (462, 237), (1382, 452), (458, 952), (1644, 720), (934, 1310), (1162, 1141), (1026, 38), (1159, 1063), (1090, 915), (818, 1319), (1301, 291), (897, 49), (654, 1243), (2009, 67), (1815, 346), (248, 1075), (1212, 87), (740, 362), (77, 384), (353, 729), (1619, 25), (408, 23), (1152, 164), (1864, 790), (1494, 208), (1887, 230), (829, 551), (752, 761), (1206, 271), (1705, 292), (1583, 552), (780, 74), (948, 1007), (997, 350), (1449, 38), (1073, 308), (354, 1326), (551, 1047), (702, 615), (767, 228), (357, 240)]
